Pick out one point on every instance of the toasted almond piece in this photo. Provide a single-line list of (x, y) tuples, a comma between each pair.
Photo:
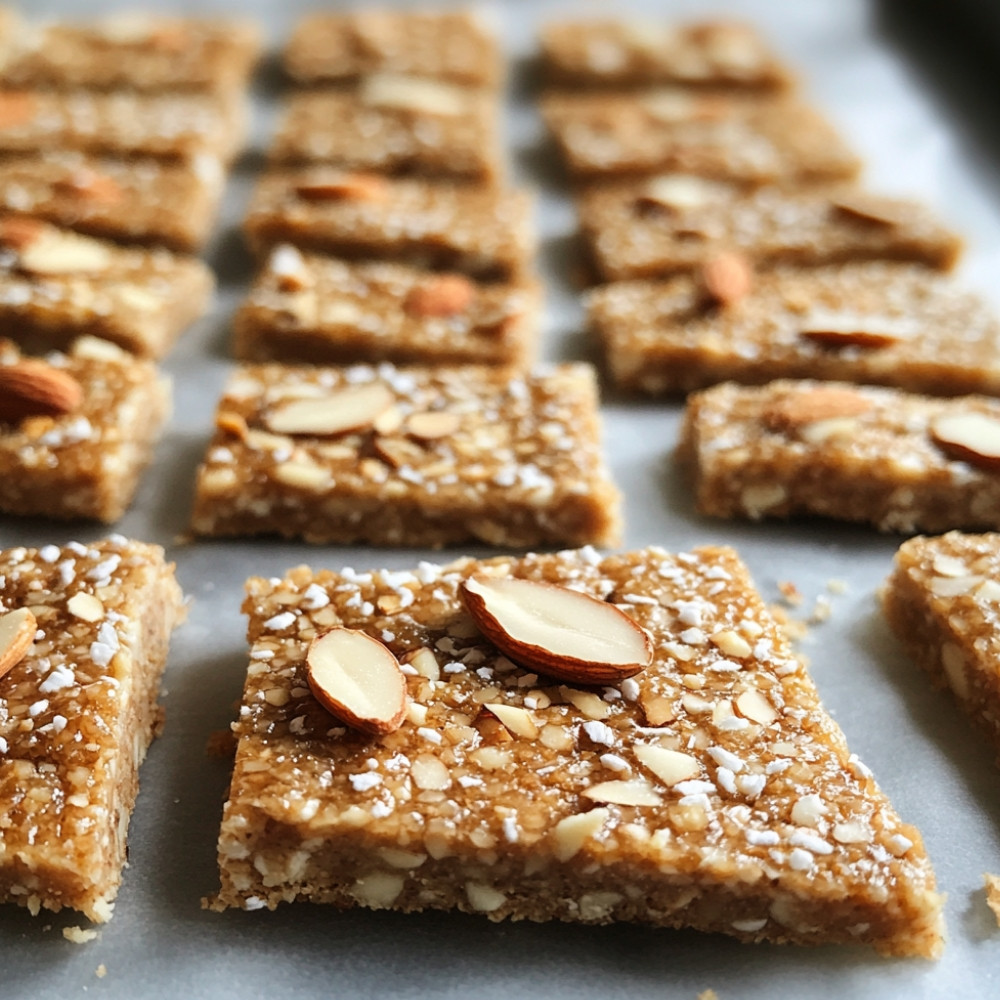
[(64, 253), (232, 423), (572, 832), (752, 705), (19, 232), (727, 278), (16, 108), (17, 633), (30, 388), (429, 426), (424, 662), (518, 720), (357, 679), (97, 349), (86, 607), (801, 407), (388, 421), (657, 709), (351, 408), (833, 428), (556, 631), (90, 185), (345, 187), (440, 295), (869, 208), (670, 766), (970, 437), (398, 451), (848, 330), (290, 269), (678, 192), (631, 792), (410, 93)]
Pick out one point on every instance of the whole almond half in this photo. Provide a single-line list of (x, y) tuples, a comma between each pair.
[(352, 408), (30, 388), (346, 187), (799, 408), (357, 679), (727, 278), (17, 633), (969, 437), (556, 631), (441, 295)]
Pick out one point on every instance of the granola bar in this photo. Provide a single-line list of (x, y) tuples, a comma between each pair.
[(482, 231), (318, 310), (900, 461), (757, 141), (452, 46), (77, 430), (711, 790), (632, 52), (141, 201), (395, 125), (876, 322), (78, 714), (941, 601), (675, 222), (421, 457), (56, 285)]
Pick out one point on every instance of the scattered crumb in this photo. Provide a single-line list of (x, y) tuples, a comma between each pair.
[(993, 894), (708, 995), (101, 971), (791, 593), (795, 629), (221, 743), (821, 610), (836, 586), (78, 935)]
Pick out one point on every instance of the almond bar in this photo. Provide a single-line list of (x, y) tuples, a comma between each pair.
[(409, 457), (711, 790)]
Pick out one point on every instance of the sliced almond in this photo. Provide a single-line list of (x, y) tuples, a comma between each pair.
[(232, 423), (16, 108), (518, 720), (17, 633), (398, 451), (357, 679), (727, 278), (657, 709), (556, 631), (351, 408), (572, 832), (670, 766), (424, 662), (752, 705), (678, 192), (969, 437), (631, 792), (388, 421), (801, 407), (430, 426), (55, 252), (859, 331), (441, 295), (30, 388), (871, 208), (18, 233), (410, 93), (345, 187), (86, 607)]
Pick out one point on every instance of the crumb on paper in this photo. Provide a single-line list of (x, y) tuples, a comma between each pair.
[(993, 894), (836, 586), (101, 971), (708, 995), (791, 593), (78, 935), (821, 611)]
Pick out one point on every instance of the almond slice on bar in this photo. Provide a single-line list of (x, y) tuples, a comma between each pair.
[(413, 93), (798, 409), (54, 252), (679, 192), (432, 425), (346, 187), (854, 331), (670, 766), (727, 278), (31, 388), (969, 437), (349, 409), (558, 632), (441, 295), (358, 680), (870, 208), (17, 633)]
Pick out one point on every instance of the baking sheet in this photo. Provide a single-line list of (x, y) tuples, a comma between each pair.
[(939, 775)]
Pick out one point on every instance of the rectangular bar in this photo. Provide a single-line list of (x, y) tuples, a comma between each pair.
[(899, 461), (77, 430), (710, 790), (481, 231), (413, 457), (875, 322), (676, 222), (80, 710), (56, 286)]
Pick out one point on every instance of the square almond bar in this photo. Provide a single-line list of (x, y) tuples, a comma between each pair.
[(900, 461), (78, 714), (482, 231), (77, 430), (133, 51), (56, 285), (941, 600), (874, 322), (139, 201), (633, 52), (452, 46), (416, 457), (319, 310), (755, 140), (122, 124), (711, 790), (394, 125), (675, 222)]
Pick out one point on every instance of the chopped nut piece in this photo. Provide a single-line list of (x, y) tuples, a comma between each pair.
[(677, 192), (428, 426), (670, 766), (357, 679), (572, 832), (55, 252), (559, 632), (727, 278), (391, 90), (441, 295), (31, 388), (86, 607), (347, 409), (17, 633), (633, 792), (800, 407), (970, 437), (848, 334), (993, 894), (518, 720), (751, 704), (354, 187)]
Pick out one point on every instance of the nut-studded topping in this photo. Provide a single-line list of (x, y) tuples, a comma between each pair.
[(800, 408), (344, 187), (440, 295), (357, 679), (31, 388), (408, 93), (678, 192), (350, 409), (429, 426), (970, 437), (869, 208), (17, 633), (54, 252), (727, 278), (558, 632)]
